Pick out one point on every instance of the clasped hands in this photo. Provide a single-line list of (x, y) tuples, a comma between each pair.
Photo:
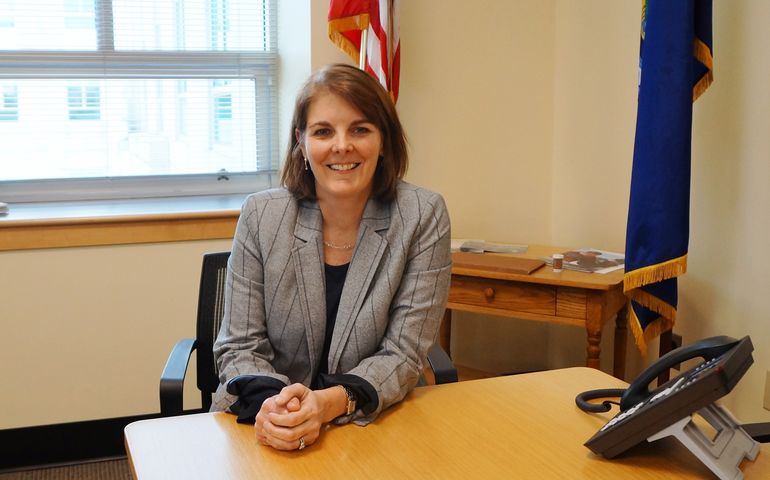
[(293, 418)]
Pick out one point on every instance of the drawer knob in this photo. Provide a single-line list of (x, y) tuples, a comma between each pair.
[(489, 292)]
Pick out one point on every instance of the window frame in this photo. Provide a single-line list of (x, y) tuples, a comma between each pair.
[(261, 67)]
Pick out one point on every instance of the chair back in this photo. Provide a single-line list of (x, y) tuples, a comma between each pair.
[(211, 307)]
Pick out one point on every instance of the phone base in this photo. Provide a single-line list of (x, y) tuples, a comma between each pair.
[(722, 454)]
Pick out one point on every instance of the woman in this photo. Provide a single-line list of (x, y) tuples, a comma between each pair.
[(337, 283)]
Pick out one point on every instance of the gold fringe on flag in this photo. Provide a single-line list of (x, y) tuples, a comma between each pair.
[(701, 52), (654, 273), (344, 24), (658, 326), (651, 302), (632, 281)]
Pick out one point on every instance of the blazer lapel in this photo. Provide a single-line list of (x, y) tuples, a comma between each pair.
[(309, 271), (370, 247)]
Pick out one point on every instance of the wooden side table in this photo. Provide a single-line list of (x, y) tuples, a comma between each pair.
[(587, 300)]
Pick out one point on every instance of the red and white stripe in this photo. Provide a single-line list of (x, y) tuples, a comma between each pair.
[(383, 45)]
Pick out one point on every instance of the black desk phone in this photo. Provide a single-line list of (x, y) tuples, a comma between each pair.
[(667, 410)]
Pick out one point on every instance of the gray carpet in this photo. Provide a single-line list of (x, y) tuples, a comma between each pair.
[(104, 470)]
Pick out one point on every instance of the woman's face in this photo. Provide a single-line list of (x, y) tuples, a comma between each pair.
[(341, 146)]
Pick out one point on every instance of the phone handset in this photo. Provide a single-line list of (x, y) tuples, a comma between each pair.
[(639, 390), (708, 349)]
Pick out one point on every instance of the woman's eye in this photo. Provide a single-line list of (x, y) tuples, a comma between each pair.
[(322, 132), (361, 130)]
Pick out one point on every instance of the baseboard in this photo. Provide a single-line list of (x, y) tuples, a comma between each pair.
[(65, 443)]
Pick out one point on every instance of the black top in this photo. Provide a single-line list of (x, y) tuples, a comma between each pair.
[(252, 390), (335, 280)]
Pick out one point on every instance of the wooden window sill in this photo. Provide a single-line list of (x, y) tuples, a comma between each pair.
[(117, 222)]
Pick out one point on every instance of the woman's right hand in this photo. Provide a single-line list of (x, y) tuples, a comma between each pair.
[(293, 419), (271, 405)]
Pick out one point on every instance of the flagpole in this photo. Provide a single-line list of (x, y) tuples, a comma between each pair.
[(391, 48), (362, 49)]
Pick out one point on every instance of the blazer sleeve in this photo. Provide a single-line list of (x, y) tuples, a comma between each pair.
[(415, 311), (242, 346)]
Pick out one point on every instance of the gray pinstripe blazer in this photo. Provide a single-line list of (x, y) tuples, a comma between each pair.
[(392, 302)]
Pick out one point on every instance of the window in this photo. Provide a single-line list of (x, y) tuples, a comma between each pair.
[(6, 20), (223, 116), (127, 98), (79, 14), (9, 103), (83, 102)]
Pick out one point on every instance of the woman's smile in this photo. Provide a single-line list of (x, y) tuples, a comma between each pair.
[(343, 167)]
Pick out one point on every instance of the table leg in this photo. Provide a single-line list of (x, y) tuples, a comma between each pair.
[(445, 332), (665, 342), (621, 336), (593, 350), (594, 306)]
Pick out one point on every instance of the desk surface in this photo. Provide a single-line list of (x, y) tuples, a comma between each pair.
[(487, 428)]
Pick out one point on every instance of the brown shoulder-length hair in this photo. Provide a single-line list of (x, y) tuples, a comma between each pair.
[(366, 94)]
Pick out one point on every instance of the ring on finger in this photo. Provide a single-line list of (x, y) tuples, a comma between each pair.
[(301, 443)]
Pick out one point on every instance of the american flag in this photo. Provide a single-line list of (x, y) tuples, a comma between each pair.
[(377, 21)]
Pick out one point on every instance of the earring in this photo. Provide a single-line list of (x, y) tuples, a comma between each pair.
[(307, 164)]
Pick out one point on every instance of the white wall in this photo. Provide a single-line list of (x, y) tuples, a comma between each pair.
[(595, 84), (727, 287), (477, 104), (86, 331)]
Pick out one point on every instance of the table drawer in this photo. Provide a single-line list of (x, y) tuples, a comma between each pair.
[(503, 295), (571, 302)]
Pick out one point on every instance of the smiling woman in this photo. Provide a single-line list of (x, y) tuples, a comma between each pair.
[(337, 284), (342, 150), (348, 145), (341, 147), (367, 107)]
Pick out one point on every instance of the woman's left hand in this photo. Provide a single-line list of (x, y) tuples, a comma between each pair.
[(286, 427)]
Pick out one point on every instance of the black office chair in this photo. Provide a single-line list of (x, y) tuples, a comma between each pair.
[(210, 310)]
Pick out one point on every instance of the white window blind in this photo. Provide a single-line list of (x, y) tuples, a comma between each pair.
[(127, 98)]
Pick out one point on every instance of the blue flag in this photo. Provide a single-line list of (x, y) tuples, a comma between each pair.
[(675, 67)]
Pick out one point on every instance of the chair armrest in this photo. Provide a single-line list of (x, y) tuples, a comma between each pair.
[(172, 378), (443, 369)]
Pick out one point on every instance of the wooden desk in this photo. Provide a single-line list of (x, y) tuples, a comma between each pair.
[(521, 426), (586, 300)]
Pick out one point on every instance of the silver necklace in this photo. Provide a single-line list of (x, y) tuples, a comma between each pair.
[(347, 246)]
